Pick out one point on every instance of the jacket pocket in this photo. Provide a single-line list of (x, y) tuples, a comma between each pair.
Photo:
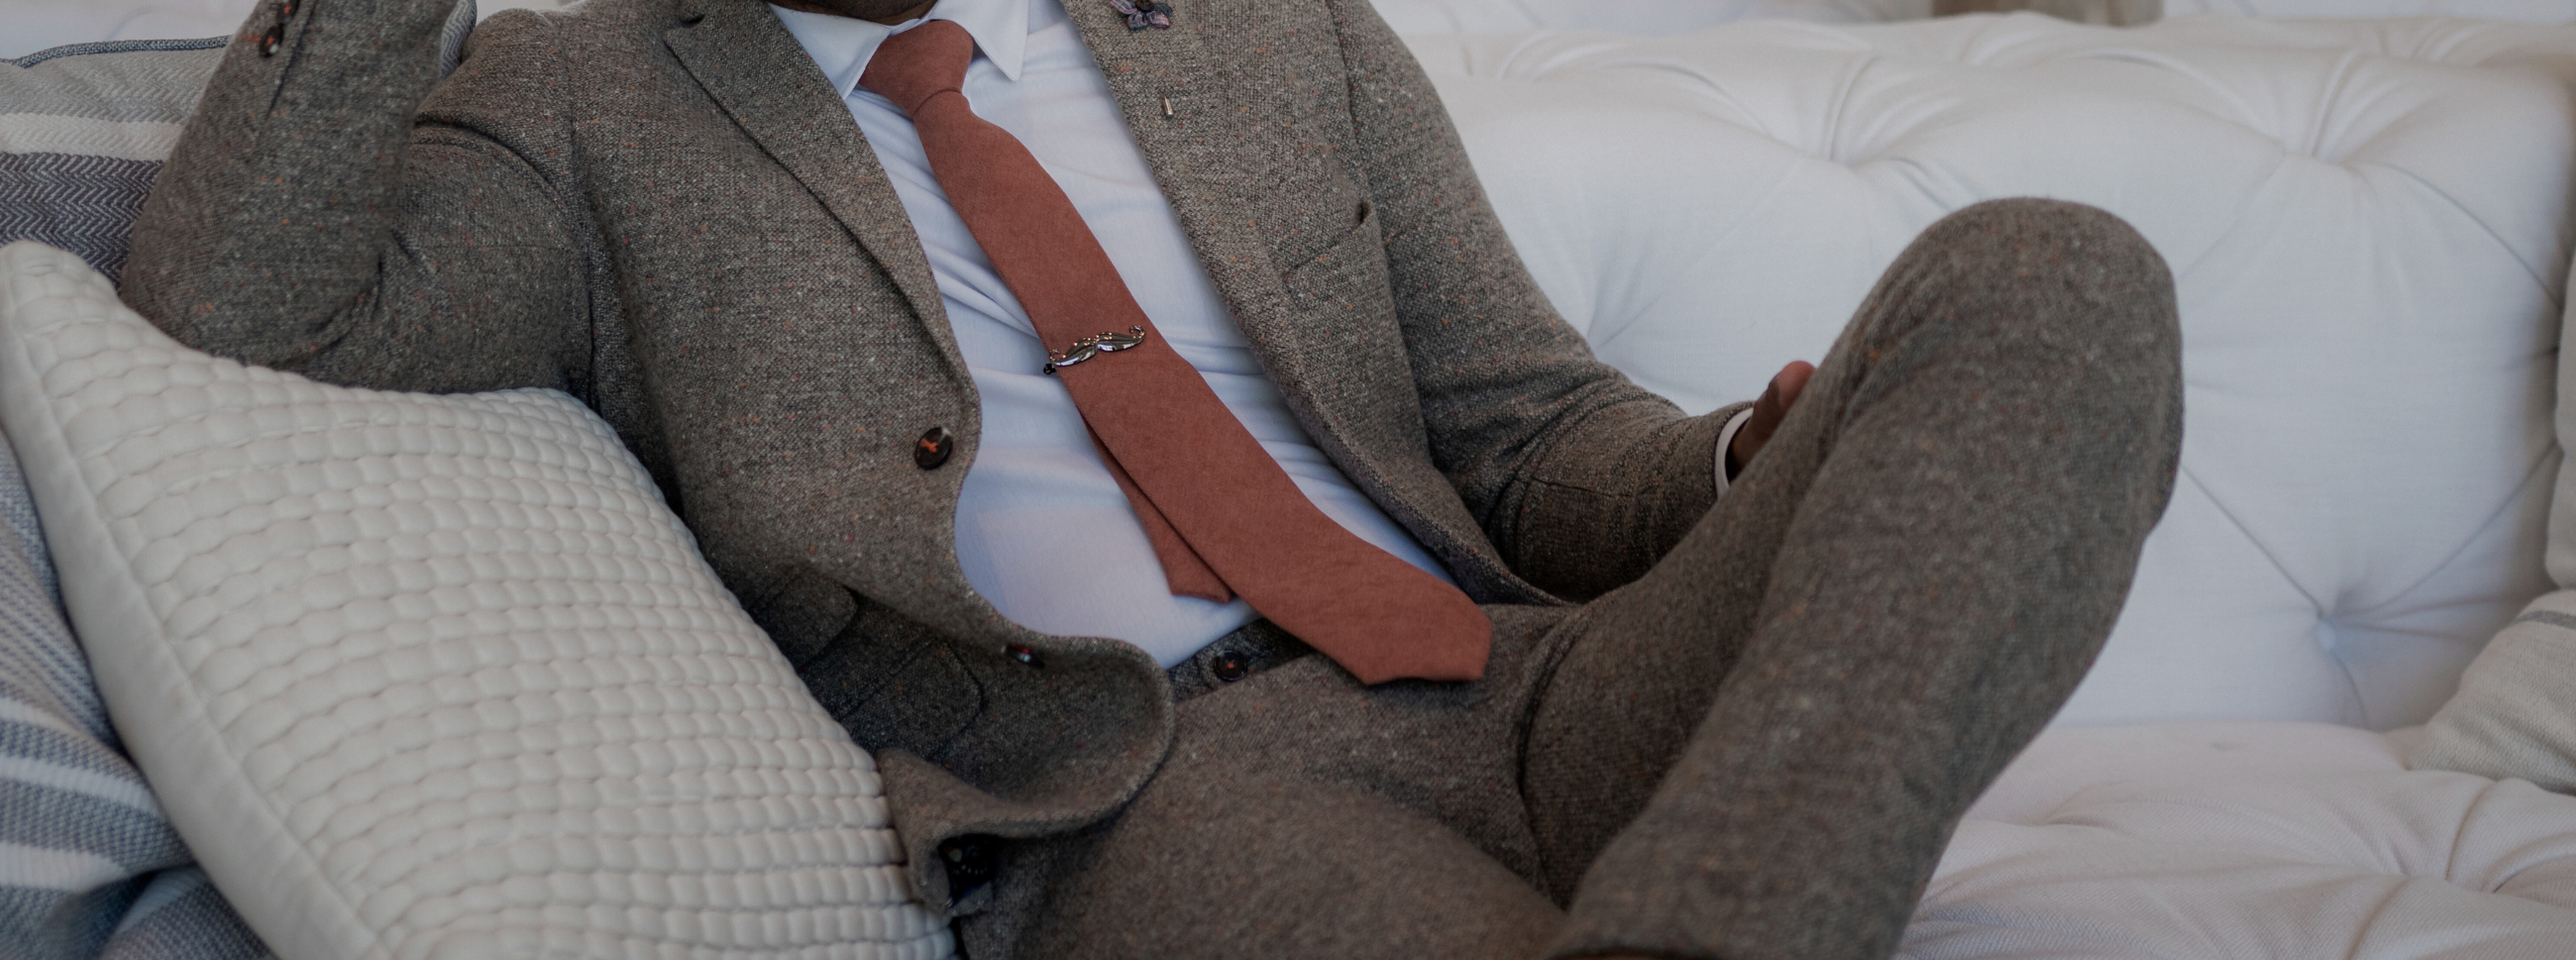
[(893, 683), (1356, 258)]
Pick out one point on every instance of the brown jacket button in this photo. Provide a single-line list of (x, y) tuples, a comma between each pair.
[(933, 448)]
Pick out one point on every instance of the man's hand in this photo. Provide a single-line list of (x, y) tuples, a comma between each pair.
[(1767, 414)]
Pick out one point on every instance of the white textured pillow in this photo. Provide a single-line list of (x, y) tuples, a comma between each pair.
[(2515, 714), (430, 676)]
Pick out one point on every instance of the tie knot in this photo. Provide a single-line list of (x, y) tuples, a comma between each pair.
[(911, 67)]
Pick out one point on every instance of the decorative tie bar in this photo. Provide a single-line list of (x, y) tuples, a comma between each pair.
[(1092, 346)]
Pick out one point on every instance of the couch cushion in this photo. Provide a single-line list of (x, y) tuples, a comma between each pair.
[(2235, 839), (2249, 840), (2370, 310), (2527, 11), (431, 676)]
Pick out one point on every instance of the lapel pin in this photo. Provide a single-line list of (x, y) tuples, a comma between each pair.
[(1144, 13)]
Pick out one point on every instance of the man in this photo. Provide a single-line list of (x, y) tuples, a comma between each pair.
[(838, 276)]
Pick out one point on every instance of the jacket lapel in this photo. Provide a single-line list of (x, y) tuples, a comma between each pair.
[(756, 71), (1148, 69)]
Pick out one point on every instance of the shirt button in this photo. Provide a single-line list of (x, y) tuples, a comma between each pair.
[(969, 860), (933, 448), (1231, 667), (1025, 654)]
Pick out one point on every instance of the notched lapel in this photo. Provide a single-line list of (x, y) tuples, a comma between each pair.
[(755, 70)]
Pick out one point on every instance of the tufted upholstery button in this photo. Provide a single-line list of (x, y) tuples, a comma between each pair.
[(269, 42), (1231, 667), (1025, 654), (933, 448), (970, 861)]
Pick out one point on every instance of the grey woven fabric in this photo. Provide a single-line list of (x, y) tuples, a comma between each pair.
[(662, 207), (88, 865), (54, 185), (1758, 749)]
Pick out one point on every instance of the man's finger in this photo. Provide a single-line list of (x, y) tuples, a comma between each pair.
[(1768, 410), (1790, 382)]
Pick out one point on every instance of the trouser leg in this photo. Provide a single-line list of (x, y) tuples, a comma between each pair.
[(1760, 748), (1820, 677)]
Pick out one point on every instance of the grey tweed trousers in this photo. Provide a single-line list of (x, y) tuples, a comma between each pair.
[(1758, 749)]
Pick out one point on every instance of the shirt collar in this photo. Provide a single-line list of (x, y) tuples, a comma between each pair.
[(842, 46)]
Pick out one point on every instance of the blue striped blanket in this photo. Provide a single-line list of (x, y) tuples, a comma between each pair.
[(88, 865)]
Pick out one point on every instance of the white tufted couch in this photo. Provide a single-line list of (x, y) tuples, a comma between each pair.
[(2371, 225)]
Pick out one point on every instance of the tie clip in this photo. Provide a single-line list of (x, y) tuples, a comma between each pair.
[(1092, 346)]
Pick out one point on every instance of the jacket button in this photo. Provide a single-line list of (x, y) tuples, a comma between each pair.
[(269, 41), (969, 860), (1025, 655), (1231, 667), (933, 448)]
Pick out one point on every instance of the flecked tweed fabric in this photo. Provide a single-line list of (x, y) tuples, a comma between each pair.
[(84, 129), (1758, 749), (660, 206)]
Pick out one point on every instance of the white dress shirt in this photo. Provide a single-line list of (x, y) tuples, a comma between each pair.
[(1042, 530)]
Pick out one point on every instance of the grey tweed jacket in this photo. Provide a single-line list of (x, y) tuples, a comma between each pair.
[(661, 207)]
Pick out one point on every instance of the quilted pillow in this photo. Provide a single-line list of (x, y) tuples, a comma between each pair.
[(430, 675)]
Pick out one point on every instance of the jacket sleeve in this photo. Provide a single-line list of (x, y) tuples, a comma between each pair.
[(1581, 478), (318, 217)]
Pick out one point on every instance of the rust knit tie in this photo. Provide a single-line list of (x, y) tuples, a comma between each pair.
[(1224, 518)]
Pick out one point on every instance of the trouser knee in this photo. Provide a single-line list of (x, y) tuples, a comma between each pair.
[(2067, 283)]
